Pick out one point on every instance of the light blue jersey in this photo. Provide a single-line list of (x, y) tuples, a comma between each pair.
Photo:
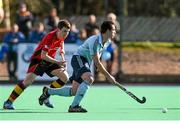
[(91, 46)]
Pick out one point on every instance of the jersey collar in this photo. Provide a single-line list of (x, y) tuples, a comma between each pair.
[(100, 41)]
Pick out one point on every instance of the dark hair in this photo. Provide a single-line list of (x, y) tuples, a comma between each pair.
[(106, 25), (64, 23)]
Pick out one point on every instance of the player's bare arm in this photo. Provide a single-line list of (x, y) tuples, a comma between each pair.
[(45, 56), (62, 53), (101, 68)]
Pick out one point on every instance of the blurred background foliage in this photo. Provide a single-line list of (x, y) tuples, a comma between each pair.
[(161, 8)]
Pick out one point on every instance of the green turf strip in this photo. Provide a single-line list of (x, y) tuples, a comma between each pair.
[(102, 103)]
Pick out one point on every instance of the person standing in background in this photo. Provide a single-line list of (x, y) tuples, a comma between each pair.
[(37, 34), (73, 34), (82, 36), (90, 25), (24, 19), (51, 21), (112, 17), (12, 39)]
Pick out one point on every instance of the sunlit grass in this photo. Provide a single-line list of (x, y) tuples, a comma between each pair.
[(159, 47)]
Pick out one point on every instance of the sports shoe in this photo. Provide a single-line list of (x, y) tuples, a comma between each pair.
[(8, 105), (76, 109), (44, 98), (48, 103)]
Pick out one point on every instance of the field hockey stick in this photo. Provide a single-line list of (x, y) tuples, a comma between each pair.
[(131, 94)]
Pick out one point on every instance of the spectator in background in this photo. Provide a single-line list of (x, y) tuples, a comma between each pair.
[(12, 39), (90, 25), (24, 19), (112, 17), (74, 28), (95, 30), (38, 33), (82, 36), (3, 51), (51, 21), (73, 34)]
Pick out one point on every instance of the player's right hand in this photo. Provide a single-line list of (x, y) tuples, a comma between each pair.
[(62, 64)]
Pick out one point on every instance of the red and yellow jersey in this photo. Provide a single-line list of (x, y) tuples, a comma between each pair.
[(50, 43)]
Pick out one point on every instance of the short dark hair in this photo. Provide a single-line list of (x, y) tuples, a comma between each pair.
[(106, 25), (64, 23)]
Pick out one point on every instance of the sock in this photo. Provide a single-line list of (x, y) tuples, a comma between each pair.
[(83, 87), (65, 91), (19, 88), (57, 84)]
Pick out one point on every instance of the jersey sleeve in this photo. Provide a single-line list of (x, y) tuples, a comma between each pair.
[(46, 43), (94, 47)]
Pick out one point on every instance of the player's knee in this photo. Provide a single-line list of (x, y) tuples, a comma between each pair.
[(66, 74), (64, 77), (90, 80), (66, 80)]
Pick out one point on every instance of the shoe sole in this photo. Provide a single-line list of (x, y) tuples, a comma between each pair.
[(48, 106), (76, 112), (8, 108), (70, 111)]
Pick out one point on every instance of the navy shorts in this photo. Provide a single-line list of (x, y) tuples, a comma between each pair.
[(80, 65)]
